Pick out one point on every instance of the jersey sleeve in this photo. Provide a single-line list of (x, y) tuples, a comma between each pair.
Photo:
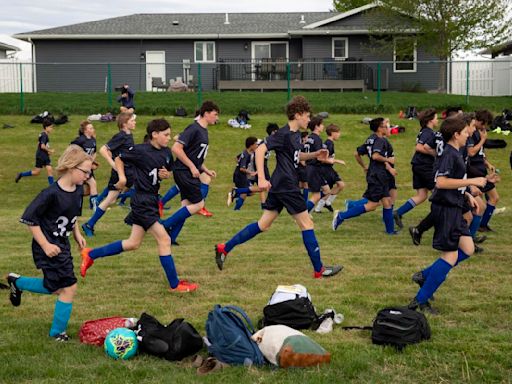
[(245, 159), (471, 141), (37, 208), (445, 165), (80, 141), (170, 163), (43, 139), (379, 146), (275, 141), (187, 136), (115, 142), (132, 156), (361, 150)]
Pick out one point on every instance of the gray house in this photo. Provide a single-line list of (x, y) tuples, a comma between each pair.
[(315, 50)]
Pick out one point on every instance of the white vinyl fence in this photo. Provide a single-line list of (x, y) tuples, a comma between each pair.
[(15, 73), (486, 78)]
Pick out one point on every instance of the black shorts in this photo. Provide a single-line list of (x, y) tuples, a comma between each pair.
[(42, 162), (422, 177), (292, 201), (61, 277), (144, 211), (391, 181), (114, 178), (449, 226), (240, 180), (190, 187), (378, 187), (315, 178), (330, 176), (301, 173), (465, 206)]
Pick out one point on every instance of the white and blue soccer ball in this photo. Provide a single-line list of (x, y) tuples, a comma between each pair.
[(121, 343)]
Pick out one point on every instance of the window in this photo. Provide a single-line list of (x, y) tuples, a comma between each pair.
[(340, 47), (404, 55), (204, 52)]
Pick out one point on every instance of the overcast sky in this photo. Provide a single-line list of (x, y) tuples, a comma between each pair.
[(18, 16)]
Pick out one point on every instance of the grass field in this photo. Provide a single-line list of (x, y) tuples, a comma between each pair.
[(160, 103), (471, 339)]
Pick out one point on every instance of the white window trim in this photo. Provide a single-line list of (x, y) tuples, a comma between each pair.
[(204, 43), (415, 58), (334, 39)]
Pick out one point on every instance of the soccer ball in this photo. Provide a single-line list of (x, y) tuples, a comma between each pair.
[(121, 343)]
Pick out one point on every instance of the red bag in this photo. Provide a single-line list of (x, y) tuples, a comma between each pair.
[(94, 332)]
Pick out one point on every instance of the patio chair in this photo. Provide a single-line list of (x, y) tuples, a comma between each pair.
[(330, 70), (156, 82)]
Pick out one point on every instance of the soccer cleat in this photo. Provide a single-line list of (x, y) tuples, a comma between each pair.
[(18, 177), (485, 229), (184, 286), (419, 279), (15, 295), (62, 337), (398, 219), (231, 196), (220, 255), (393, 233), (204, 212), (88, 230), (415, 235), (329, 208), (479, 239), (328, 271), (175, 243), (336, 221), (426, 307), (160, 209), (478, 249), (87, 261)]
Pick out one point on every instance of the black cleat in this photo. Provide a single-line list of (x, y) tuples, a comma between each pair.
[(419, 279), (15, 295), (478, 249), (479, 239), (485, 229), (415, 235), (220, 255), (427, 308), (329, 208), (62, 337), (398, 219), (18, 177), (175, 243)]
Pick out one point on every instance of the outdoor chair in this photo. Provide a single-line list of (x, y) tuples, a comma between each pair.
[(156, 82)]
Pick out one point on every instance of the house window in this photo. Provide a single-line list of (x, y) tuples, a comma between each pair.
[(204, 52), (340, 47), (404, 55)]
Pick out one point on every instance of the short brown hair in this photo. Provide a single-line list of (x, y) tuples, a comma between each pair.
[(331, 128), (123, 118), (315, 122), (298, 104), (83, 125), (208, 106), (484, 116), (451, 126), (426, 116)]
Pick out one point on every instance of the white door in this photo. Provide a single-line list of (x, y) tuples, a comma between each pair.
[(155, 67)]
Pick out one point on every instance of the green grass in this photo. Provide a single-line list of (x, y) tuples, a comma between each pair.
[(471, 339), (160, 103)]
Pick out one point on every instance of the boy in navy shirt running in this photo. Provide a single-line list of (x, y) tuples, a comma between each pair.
[(284, 189)]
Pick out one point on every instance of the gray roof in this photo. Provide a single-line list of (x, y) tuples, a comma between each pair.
[(161, 25), (500, 49), (8, 47)]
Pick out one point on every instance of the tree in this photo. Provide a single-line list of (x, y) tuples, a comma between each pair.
[(441, 27), (347, 5)]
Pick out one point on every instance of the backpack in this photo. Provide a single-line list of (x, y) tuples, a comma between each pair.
[(411, 113), (495, 143), (501, 122), (173, 342), (229, 332), (399, 327), (62, 119), (180, 111), (243, 117)]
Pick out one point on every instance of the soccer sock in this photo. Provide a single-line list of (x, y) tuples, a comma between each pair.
[(355, 211), (241, 237), (305, 193), (171, 193), (95, 217), (32, 284), (181, 214), (310, 205), (126, 195), (426, 271), (170, 270), (475, 224), (437, 275), (92, 200), (487, 215), (426, 223), (362, 201), (239, 203), (26, 173), (242, 191), (176, 229), (408, 205), (111, 249), (50, 180), (204, 190), (320, 205), (60, 317), (461, 256), (102, 195), (387, 216), (331, 199), (309, 239)]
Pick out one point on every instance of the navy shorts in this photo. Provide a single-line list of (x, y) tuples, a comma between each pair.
[(144, 211), (330, 176), (190, 187), (240, 180), (315, 178), (422, 177), (391, 181), (449, 226), (59, 277), (301, 173), (42, 162), (378, 187), (114, 178), (292, 201)]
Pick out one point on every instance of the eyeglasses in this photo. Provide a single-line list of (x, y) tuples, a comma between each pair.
[(86, 173)]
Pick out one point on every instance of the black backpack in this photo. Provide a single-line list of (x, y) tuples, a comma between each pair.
[(180, 112), (298, 313), (173, 342), (411, 112), (399, 327)]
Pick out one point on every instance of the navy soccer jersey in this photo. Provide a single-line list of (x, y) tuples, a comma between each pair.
[(384, 148), (55, 211), (329, 145), (147, 160), (244, 159), (426, 136), (43, 139), (195, 144), (451, 165), (87, 144), (287, 146), (313, 144), (478, 160), (120, 142), (366, 148)]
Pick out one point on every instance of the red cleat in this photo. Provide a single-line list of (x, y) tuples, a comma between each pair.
[(160, 208), (204, 212), (87, 262), (184, 286), (220, 255)]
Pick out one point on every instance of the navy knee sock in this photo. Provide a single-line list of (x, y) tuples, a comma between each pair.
[(486, 217), (387, 216), (241, 237), (181, 214), (311, 244), (436, 277), (239, 203), (170, 270), (111, 249), (406, 207), (171, 193)]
